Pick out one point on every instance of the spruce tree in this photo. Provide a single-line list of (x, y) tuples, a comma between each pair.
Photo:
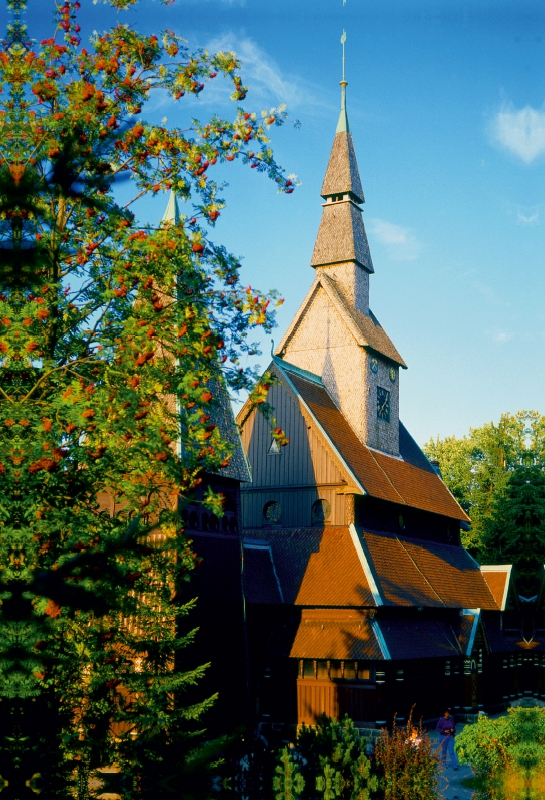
[(515, 531)]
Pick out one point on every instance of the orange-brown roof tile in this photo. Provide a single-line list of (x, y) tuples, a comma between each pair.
[(380, 475), (347, 636), (496, 581), (317, 566), (415, 572)]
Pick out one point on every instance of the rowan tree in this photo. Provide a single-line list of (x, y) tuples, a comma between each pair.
[(116, 338)]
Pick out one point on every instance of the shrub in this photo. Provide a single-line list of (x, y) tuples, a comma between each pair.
[(328, 762), (514, 742), (407, 767)]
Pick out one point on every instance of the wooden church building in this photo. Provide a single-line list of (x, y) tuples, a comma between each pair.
[(359, 596)]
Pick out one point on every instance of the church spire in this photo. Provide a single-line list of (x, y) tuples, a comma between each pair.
[(172, 212), (342, 175), (342, 239), (343, 126)]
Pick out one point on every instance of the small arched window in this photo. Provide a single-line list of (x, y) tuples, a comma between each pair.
[(272, 511), (321, 511)]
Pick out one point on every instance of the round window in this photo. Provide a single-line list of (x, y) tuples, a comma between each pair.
[(321, 510), (272, 511)]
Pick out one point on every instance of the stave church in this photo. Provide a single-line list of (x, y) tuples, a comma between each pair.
[(336, 581), (358, 595)]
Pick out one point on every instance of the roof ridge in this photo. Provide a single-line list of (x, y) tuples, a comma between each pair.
[(351, 314), (322, 430), (328, 285), (303, 373), (292, 327)]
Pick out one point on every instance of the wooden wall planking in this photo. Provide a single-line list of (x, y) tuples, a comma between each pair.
[(303, 471)]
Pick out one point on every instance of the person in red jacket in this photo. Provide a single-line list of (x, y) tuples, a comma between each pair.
[(447, 732)]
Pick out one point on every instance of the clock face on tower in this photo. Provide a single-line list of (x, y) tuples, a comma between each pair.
[(383, 404)]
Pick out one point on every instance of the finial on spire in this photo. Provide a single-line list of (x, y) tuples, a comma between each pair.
[(343, 125)]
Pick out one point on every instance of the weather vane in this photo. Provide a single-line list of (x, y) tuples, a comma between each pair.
[(343, 40)]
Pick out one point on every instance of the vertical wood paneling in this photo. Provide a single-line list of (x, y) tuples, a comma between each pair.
[(305, 462), (315, 697)]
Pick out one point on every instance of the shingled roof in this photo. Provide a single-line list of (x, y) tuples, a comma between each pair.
[(342, 237), (416, 572), (497, 578), (366, 329), (315, 566), (330, 566), (411, 482), (408, 639), (342, 174), (261, 584), (466, 629), (342, 634)]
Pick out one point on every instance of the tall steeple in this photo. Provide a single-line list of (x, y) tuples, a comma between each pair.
[(172, 212), (341, 248)]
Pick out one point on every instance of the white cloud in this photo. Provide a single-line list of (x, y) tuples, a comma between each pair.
[(521, 132), (522, 219), (501, 336), (401, 243), (263, 73)]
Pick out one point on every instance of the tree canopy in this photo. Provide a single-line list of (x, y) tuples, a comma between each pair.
[(497, 474), (116, 338)]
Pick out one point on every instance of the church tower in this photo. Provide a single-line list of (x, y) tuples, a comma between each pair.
[(357, 588), (334, 334)]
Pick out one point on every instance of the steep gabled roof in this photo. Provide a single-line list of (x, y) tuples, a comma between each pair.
[(342, 174), (316, 566), (386, 477), (222, 415), (329, 567), (261, 584), (497, 578), (342, 237), (466, 629), (366, 330), (408, 639)]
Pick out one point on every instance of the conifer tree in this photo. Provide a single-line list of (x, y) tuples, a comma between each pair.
[(515, 531), (115, 339)]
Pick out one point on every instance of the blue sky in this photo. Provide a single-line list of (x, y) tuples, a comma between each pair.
[(447, 107)]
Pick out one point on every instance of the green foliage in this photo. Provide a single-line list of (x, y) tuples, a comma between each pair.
[(115, 340), (407, 769), (476, 468), (515, 742), (483, 746), (515, 531), (288, 783), (328, 762)]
